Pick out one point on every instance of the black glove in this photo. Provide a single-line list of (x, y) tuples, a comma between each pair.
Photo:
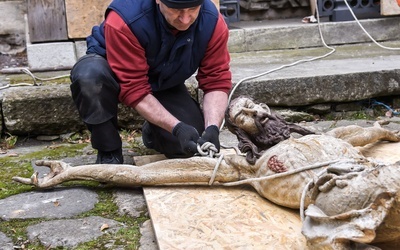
[(187, 136), (211, 134)]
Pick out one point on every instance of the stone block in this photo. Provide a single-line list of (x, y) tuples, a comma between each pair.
[(12, 27), (42, 110), (50, 110), (12, 17), (83, 15), (59, 55), (80, 49), (236, 42)]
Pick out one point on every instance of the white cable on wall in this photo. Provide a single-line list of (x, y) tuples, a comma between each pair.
[(311, 59), (370, 37)]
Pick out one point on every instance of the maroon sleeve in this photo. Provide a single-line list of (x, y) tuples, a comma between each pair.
[(127, 60), (214, 72)]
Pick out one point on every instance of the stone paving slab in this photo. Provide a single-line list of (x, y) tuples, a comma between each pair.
[(71, 232), (130, 202), (5, 242), (50, 204)]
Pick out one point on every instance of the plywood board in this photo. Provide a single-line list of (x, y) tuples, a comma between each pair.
[(83, 15), (221, 218), (230, 218), (390, 7)]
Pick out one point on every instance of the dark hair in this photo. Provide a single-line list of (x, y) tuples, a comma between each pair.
[(246, 145), (270, 133)]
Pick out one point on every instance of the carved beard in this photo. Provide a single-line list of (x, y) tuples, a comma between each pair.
[(272, 130)]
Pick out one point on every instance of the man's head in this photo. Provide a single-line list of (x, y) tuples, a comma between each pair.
[(180, 14), (182, 4)]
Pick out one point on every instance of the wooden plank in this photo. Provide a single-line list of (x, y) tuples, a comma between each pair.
[(83, 15), (390, 7), (46, 20)]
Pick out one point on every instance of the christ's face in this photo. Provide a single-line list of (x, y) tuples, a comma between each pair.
[(243, 111)]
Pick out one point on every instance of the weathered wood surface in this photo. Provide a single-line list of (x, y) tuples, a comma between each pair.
[(390, 7), (83, 15), (46, 21)]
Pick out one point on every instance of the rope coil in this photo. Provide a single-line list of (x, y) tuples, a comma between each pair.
[(208, 149)]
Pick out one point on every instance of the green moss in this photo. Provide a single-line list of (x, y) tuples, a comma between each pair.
[(21, 166), (126, 238), (16, 230), (41, 78)]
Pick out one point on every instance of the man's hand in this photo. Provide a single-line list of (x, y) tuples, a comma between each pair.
[(187, 136), (211, 134)]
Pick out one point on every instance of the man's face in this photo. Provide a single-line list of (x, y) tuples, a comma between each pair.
[(180, 19)]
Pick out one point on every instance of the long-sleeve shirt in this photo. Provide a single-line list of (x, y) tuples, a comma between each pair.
[(127, 59)]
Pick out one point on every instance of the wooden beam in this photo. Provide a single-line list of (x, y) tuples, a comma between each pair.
[(46, 20)]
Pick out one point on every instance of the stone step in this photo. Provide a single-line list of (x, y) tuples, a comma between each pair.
[(245, 36), (357, 70), (301, 77)]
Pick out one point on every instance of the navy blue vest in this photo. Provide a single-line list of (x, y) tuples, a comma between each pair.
[(172, 59)]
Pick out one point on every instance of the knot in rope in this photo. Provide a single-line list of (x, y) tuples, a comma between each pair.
[(208, 149)]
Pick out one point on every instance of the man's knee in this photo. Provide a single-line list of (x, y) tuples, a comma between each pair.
[(90, 74)]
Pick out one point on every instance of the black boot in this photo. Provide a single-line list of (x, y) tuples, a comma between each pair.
[(113, 157)]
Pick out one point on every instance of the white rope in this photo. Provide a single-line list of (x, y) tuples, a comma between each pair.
[(208, 149), (311, 59), (25, 70), (284, 66), (35, 78), (370, 37), (16, 85), (303, 195), (215, 170), (294, 171)]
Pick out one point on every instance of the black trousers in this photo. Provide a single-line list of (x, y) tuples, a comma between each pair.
[(95, 92)]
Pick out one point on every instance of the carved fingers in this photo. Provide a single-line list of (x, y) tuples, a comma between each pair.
[(28, 181), (56, 166)]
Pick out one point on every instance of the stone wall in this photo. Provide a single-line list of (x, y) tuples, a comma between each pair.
[(12, 26)]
